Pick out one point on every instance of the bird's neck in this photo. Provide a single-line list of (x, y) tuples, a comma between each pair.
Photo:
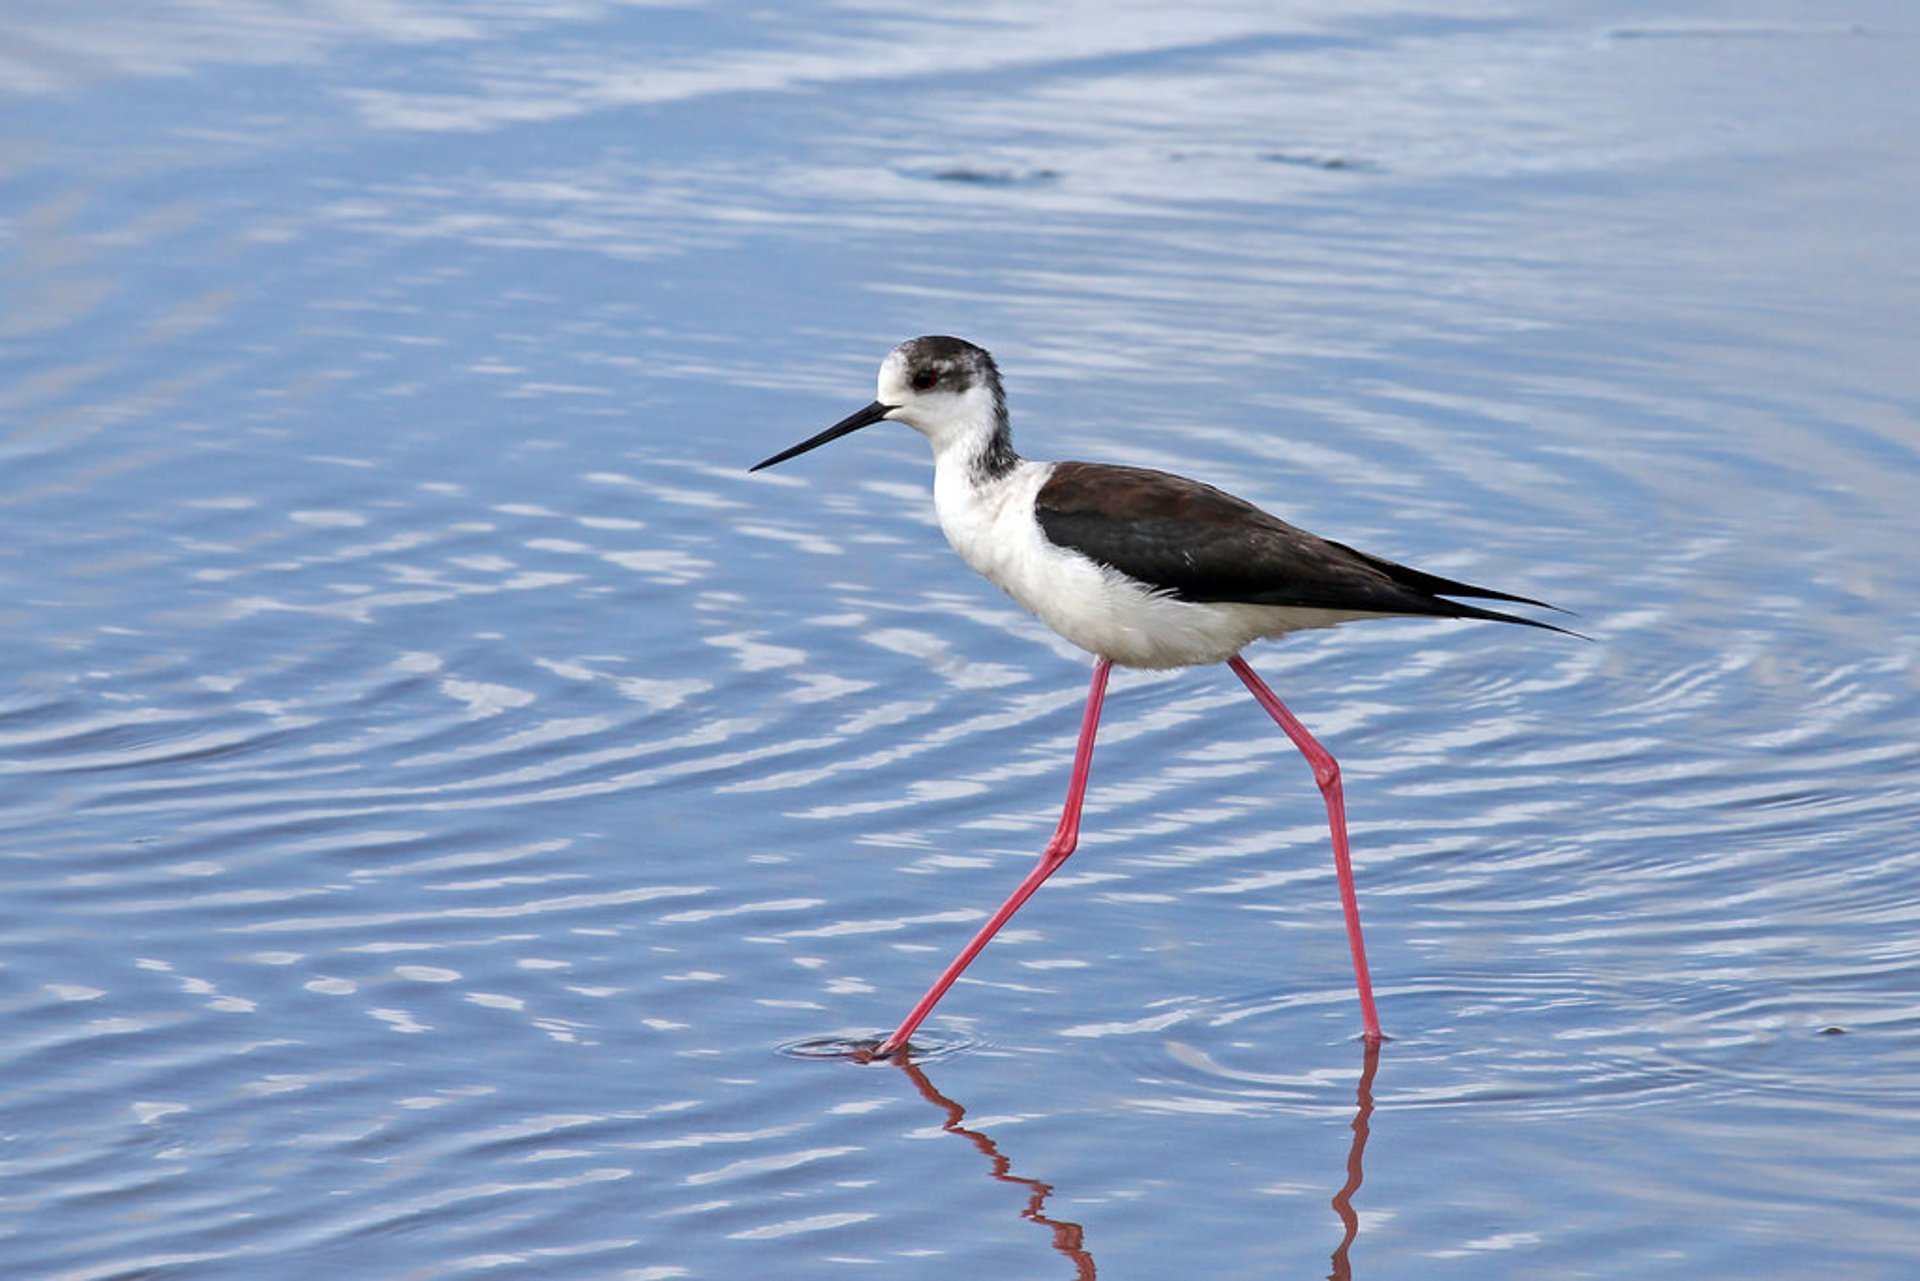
[(971, 439), (993, 457), (987, 451)]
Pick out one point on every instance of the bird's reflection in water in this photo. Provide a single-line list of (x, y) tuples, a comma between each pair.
[(1343, 1199), (1069, 1238)]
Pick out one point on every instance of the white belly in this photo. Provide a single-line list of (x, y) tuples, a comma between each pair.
[(1099, 609)]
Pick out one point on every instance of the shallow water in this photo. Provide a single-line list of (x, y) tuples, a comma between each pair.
[(447, 799)]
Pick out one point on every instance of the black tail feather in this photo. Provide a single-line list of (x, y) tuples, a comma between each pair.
[(1438, 587), (1455, 609)]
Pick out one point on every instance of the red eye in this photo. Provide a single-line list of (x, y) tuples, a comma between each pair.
[(924, 379)]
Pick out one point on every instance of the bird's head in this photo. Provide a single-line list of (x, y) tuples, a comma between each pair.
[(946, 389)]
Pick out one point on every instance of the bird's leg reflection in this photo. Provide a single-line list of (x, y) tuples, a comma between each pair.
[(1343, 1199), (1066, 1236)]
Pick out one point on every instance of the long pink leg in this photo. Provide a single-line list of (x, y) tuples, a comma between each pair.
[(1326, 772), (1065, 837)]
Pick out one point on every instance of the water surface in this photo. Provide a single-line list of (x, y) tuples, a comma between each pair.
[(444, 795)]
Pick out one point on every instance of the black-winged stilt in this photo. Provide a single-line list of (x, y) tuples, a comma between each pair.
[(1139, 568)]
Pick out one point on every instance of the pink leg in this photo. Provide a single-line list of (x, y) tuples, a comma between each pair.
[(1065, 837), (1326, 772)]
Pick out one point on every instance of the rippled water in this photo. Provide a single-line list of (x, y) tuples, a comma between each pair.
[(449, 804)]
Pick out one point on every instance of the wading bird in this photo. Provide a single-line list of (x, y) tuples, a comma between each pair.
[(1140, 568)]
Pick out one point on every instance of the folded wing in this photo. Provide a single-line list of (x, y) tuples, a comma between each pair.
[(1198, 543)]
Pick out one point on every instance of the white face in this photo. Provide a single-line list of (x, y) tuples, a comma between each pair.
[(945, 392), (895, 387)]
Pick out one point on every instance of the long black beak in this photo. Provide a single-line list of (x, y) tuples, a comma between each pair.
[(846, 426)]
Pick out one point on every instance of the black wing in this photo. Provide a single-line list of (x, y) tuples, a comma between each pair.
[(1198, 543)]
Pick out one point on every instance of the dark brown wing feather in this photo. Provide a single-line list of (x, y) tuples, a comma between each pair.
[(1198, 543)]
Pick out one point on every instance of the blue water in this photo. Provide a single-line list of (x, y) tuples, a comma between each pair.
[(445, 796)]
